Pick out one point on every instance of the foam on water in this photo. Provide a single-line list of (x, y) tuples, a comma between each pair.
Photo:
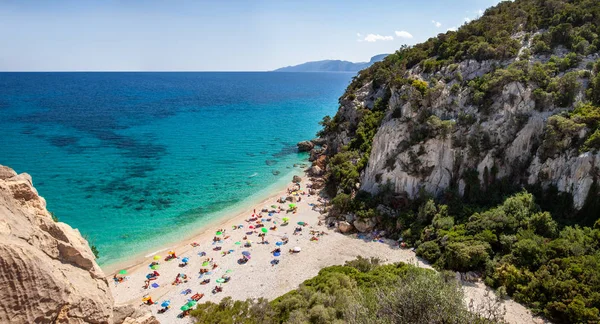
[(138, 160)]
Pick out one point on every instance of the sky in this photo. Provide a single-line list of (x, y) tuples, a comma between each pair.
[(220, 35)]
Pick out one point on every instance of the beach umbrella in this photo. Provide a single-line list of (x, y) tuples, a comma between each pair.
[(238, 243), (246, 253), (205, 264), (297, 249), (155, 285), (185, 308), (229, 271), (264, 230), (301, 223), (154, 267), (166, 303), (285, 219), (276, 254), (219, 233), (251, 227), (122, 272), (273, 206), (185, 260), (220, 280), (191, 303), (279, 243), (292, 205), (157, 257)]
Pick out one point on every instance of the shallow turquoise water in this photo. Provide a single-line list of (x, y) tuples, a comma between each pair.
[(134, 160)]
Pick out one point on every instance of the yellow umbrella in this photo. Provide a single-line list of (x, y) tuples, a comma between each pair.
[(157, 257)]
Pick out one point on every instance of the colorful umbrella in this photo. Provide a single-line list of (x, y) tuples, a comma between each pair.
[(191, 303), (297, 249), (273, 206), (238, 243), (123, 272), (264, 230), (301, 223), (157, 257), (220, 280), (279, 243), (185, 308), (251, 227), (166, 303), (219, 233), (276, 254), (285, 219), (205, 264), (246, 253), (292, 205), (185, 260), (154, 267), (155, 285)]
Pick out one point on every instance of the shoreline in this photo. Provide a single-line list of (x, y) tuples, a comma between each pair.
[(255, 201)]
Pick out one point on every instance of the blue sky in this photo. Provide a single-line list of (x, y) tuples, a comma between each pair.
[(223, 35)]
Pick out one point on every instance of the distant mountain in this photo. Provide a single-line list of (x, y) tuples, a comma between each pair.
[(331, 65)]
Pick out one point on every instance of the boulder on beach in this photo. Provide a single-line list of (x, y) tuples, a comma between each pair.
[(318, 184), (345, 227), (364, 225), (296, 179), (305, 146)]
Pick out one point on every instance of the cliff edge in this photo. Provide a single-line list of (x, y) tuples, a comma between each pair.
[(47, 270)]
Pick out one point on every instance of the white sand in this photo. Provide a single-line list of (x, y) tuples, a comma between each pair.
[(258, 278)]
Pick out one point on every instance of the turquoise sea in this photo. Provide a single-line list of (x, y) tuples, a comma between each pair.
[(137, 160)]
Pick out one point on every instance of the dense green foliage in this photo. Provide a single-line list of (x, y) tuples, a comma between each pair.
[(362, 291), (522, 249), (541, 252)]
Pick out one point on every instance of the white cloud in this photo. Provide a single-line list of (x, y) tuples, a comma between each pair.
[(376, 37), (403, 34), (467, 19), (436, 23), (480, 12), (358, 35), (452, 29)]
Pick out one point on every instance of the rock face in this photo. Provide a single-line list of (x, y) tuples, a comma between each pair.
[(305, 146), (48, 273), (434, 140)]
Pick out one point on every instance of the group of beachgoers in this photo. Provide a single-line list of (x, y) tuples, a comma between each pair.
[(259, 224)]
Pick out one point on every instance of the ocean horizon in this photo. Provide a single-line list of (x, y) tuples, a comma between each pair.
[(135, 160)]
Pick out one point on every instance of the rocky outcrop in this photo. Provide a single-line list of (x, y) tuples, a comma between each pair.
[(48, 273), (296, 179), (305, 146)]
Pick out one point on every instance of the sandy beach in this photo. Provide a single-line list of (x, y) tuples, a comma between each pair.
[(259, 277)]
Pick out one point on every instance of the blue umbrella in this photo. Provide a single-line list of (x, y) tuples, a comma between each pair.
[(276, 254), (166, 303), (279, 243), (185, 260), (246, 253)]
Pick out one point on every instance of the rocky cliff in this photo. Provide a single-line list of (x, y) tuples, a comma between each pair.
[(522, 112), (48, 273)]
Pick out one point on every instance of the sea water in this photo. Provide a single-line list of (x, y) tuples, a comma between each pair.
[(136, 160)]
